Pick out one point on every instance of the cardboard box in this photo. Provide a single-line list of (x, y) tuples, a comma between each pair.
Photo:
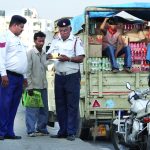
[(135, 35), (95, 39), (95, 50)]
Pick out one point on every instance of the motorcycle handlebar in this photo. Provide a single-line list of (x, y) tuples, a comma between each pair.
[(147, 91), (139, 94)]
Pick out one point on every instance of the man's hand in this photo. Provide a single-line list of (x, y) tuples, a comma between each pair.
[(63, 58), (122, 42), (106, 19), (30, 92), (49, 56), (116, 53), (125, 40), (103, 26), (5, 81), (25, 83)]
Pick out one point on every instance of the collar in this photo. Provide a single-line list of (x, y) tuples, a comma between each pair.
[(37, 52), (111, 31), (12, 34), (71, 37)]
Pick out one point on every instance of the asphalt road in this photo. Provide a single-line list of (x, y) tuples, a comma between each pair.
[(45, 142)]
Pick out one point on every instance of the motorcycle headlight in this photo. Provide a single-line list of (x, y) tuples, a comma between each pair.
[(131, 96)]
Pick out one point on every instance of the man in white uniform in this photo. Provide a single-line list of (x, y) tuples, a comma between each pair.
[(67, 78), (13, 66)]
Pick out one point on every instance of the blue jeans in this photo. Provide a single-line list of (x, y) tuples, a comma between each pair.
[(110, 53), (38, 116), (148, 53)]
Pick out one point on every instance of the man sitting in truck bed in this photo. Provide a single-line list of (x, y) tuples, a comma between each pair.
[(114, 45)]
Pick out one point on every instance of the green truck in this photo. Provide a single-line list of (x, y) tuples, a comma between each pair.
[(103, 93)]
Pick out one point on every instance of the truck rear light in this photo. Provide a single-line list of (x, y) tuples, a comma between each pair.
[(146, 120), (96, 104)]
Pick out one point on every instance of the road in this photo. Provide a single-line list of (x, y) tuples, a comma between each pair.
[(45, 142)]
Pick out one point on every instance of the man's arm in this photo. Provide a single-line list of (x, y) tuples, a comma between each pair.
[(50, 51), (75, 59), (29, 70), (122, 42), (3, 57), (79, 53), (103, 25), (3, 72)]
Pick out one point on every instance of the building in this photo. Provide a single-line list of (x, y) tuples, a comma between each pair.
[(34, 24), (2, 13)]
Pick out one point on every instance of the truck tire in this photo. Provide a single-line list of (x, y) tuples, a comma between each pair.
[(85, 133), (148, 143), (79, 127), (82, 131)]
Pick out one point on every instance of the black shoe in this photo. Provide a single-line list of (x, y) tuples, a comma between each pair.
[(1, 138), (13, 137), (128, 70), (71, 137), (115, 70), (39, 133), (58, 136)]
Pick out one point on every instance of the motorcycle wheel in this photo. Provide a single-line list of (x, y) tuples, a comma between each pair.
[(117, 139)]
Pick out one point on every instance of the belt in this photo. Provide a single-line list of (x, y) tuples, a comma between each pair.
[(66, 73), (14, 73)]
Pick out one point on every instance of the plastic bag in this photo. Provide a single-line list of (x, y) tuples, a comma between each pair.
[(32, 101)]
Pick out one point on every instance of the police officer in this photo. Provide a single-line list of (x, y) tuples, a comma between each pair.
[(13, 66), (67, 78)]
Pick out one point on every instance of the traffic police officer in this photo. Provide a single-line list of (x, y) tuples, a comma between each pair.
[(67, 78), (13, 66)]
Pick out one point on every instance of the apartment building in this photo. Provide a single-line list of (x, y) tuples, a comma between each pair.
[(34, 24)]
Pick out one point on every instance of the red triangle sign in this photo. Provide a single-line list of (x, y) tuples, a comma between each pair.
[(96, 104)]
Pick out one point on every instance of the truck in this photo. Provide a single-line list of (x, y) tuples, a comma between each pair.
[(104, 93)]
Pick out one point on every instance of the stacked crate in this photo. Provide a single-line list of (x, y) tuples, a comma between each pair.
[(137, 43)]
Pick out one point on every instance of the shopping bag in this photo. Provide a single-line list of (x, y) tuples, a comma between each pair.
[(32, 101)]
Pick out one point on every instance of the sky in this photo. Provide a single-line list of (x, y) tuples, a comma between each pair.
[(55, 9)]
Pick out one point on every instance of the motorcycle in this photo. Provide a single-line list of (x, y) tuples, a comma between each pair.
[(132, 131)]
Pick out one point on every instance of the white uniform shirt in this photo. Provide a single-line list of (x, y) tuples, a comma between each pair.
[(66, 48), (12, 54), (37, 65)]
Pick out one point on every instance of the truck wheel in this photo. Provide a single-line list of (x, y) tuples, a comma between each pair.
[(117, 139), (79, 127), (82, 132), (85, 133), (148, 143)]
